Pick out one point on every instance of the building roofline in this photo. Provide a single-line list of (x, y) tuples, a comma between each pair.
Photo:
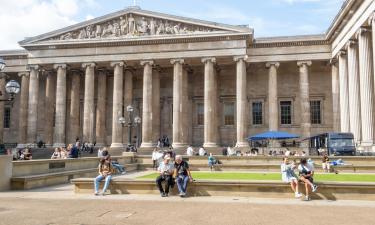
[(345, 8)]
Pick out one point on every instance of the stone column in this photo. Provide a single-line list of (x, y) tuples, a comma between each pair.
[(128, 99), (60, 115), (210, 103), (147, 115), (101, 108), (117, 111), (372, 23), (344, 94), (304, 97), (367, 85), (89, 105), (50, 107), (179, 109), (32, 117), (2, 104), (273, 114), (241, 102), (74, 119), (353, 88), (335, 95), (24, 98), (156, 104)]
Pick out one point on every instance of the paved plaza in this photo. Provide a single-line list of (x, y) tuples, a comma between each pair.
[(59, 205)]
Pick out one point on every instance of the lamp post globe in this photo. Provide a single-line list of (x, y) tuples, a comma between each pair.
[(12, 87), (137, 120), (122, 120), (129, 108), (2, 64)]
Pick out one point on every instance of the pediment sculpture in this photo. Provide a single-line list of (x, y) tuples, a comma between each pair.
[(132, 25)]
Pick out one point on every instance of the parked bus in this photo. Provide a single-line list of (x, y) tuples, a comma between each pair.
[(333, 143)]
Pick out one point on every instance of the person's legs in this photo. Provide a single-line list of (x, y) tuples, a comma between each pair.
[(106, 184), (293, 186), (179, 182), (118, 167), (167, 184), (96, 183), (185, 184), (159, 180)]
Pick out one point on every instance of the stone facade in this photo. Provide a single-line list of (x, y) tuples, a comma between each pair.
[(197, 82)]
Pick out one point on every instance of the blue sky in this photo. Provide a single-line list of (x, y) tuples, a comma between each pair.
[(267, 17)]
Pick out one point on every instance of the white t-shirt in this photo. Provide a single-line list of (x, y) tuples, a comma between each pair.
[(189, 151), (202, 152), (154, 155)]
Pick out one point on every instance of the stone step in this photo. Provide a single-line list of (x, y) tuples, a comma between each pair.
[(263, 189)]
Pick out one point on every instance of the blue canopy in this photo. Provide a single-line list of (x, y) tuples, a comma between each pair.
[(272, 135)]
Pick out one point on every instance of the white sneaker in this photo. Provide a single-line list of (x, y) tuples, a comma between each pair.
[(298, 195), (307, 198), (314, 188), (123, 173)]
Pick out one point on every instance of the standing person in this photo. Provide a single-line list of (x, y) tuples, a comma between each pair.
[(288, 176), (211, 161), (306, 172), (105, 172), (325, 163), (182, 175), (165, 170), (155, 159)]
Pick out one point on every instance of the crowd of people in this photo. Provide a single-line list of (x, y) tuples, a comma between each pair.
[(71, 152)]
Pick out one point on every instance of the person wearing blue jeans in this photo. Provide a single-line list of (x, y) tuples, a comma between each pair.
[(105, 172), (182, 175)]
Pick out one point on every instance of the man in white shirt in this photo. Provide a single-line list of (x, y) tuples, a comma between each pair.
[(202, 152), (190, 151), (165, 170)]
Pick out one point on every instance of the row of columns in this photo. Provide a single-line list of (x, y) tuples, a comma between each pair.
[(356, 87)]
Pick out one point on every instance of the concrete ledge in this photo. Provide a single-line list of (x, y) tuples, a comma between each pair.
[(48, 179), (263, 189)]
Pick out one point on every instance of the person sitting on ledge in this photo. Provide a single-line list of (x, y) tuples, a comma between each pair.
[(105, 172), (56, 154), (306, 172), (73, 151), (190, 151), (288, 176), (165, 170), (182, 175), (211, 161)]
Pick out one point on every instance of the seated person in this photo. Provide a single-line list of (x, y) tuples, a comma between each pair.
[(182, 175), (211, 161), (165, 170), (56, 154), (120, 168), (288, 176), (73, 151), (202, 151), (325, 163), (231, 151), (26, 155), (190, 151), (105, 172), (306, 172)]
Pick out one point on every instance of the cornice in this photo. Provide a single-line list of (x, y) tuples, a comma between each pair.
[(288, 44)]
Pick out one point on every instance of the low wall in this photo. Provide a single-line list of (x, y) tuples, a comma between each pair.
[(45, 166), (6, 172), (262, 189)]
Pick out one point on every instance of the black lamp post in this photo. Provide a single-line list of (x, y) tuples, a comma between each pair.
[(11, 88), (130, 122)]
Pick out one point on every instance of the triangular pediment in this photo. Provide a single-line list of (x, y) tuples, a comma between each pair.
[(134, 23)]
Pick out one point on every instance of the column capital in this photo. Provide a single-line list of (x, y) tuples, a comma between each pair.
[(26, 74), (351, 43), (301, 63), (179, 61), (371, 19), (90, 64), (208, 59), (332, 62), (146, 62), (362, 30), (275, 64), (62, 65), (240, 58), (117, 63), (33, 67)]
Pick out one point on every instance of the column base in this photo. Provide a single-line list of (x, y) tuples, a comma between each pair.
[(210, 145), (31, 145), (147, 145), (100, 145), (116, 151), (179, 145), (117, 145), (21, 145), (242, 144), (59, 145)]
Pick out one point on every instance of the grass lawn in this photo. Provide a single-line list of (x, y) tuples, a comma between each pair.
[(272, 176)]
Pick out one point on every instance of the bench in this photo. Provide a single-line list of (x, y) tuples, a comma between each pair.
[(263, 189), (47, 179)]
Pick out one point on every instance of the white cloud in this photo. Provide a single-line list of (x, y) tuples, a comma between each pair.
[(25, 18), (89, 17)]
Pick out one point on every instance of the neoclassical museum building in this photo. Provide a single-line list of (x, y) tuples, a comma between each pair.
[(197, 82)]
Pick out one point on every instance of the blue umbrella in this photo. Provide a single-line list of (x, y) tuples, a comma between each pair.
[(272, 135)]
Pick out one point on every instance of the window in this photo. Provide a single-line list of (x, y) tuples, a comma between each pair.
[(315, 112), (200, 114), (257, 113), (6, 117), (229, 114), (286, 112)]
